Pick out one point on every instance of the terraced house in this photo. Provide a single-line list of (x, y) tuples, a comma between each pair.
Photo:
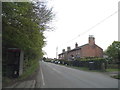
[(87, 50)]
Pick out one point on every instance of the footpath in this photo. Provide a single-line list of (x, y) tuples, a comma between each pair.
[(24, 84)]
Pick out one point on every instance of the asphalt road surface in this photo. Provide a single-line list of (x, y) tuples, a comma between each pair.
[(57, 76)]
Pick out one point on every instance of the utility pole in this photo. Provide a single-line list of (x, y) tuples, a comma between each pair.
[(56, 52)]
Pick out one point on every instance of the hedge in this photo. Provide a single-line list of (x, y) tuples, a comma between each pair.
[(91, 63)]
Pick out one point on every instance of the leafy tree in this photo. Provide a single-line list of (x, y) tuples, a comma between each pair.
[(23, 25), (113, 51)]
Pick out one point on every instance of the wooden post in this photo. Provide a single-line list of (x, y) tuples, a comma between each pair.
[(103, 66), (21, 63)]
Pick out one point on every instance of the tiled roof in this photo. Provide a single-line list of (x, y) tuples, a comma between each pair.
[(79, 48)]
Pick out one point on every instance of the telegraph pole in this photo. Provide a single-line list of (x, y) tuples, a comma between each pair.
[(56, 52)]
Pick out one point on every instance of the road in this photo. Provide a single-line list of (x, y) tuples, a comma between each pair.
[(57, 76)]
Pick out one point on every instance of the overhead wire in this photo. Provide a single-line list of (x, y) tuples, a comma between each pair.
[(91, 28)]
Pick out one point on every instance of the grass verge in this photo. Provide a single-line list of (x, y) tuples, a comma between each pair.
[(117, 76), (112, 69), (31, 70), (34, 64), (87, 69), (83, 68)]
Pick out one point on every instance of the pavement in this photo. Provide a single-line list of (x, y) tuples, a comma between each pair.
[(24, 84)]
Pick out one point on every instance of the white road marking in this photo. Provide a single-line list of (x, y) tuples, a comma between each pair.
[(42, 77)]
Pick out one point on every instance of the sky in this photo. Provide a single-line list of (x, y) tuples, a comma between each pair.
[(75, 20)]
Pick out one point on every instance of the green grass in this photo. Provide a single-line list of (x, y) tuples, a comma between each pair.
[(80, 68), (87, 69), (83, 68), (34, 65), (112, 70)]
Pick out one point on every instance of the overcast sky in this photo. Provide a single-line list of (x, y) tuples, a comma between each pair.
[(77, 19)]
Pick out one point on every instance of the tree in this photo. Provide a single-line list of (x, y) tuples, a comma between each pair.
[(23, 26), (113, 51)]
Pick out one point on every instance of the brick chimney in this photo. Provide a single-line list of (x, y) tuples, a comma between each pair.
[(91, 40), (76, 45), (68, 48)]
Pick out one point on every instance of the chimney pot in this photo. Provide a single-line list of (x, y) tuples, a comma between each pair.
[(68, 48), (63, 50), (91, 40), (76, 45)]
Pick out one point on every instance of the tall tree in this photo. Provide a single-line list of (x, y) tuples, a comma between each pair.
[(23, 25)]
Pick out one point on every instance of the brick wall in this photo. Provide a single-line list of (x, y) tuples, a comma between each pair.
[(91, 51)]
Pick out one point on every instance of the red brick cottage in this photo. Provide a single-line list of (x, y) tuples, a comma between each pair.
[(87, 50)]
